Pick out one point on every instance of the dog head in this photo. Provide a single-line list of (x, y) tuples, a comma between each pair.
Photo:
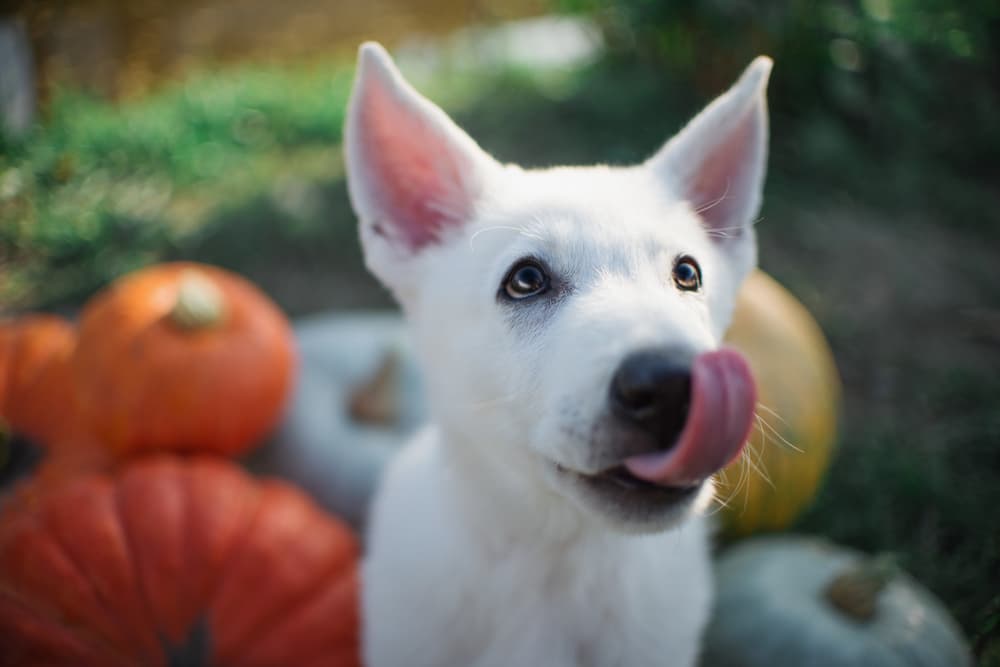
[(569, 319)]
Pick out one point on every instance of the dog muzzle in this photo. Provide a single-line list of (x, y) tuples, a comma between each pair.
[(723, 401)]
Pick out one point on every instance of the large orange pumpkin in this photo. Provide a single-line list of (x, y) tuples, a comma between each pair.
[(798, 391), (182, 357), (171, 562), (8, 335), (37, 398)]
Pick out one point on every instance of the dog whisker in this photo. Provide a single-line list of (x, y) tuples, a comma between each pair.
[(713, 204), (742, 484), (490, 402), (509, 228), (720, 506), (771, 412), (774, 432), (721, 232), (757, 465), (722, 477), (723, 503), (726, 229), (444, 209), (748, 466)]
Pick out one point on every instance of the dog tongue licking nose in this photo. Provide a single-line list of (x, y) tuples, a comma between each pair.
[(723, 399)]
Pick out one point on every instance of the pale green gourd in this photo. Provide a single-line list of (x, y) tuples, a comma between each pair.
[(805, 602), (357, 400)]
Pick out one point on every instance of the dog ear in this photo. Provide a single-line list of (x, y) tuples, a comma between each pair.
[(717, 161), (412, 173)]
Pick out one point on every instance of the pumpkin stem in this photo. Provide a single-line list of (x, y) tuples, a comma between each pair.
[(855, 591), (199, 305), (374, 401)]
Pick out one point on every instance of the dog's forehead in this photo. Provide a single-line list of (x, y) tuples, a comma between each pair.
[(617, 212)]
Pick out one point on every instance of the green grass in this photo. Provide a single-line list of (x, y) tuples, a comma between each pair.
[(922, 485), (895, 254), (102, 189)]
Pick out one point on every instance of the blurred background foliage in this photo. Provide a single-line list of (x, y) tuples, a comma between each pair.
[(210, 130), (910, 85)]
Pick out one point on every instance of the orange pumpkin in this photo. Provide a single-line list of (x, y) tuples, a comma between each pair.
[(182, 357), (799, 391), (8, 335), (172, 562), (7, 338), (37, 397)]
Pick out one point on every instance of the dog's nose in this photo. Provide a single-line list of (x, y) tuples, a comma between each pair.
[(652, 390)]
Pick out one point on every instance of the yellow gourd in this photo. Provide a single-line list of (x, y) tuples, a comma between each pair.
[(799, 391)]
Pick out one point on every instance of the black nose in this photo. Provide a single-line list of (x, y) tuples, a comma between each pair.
[(652, 390)]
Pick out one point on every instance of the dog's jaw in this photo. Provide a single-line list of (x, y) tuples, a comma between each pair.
[(627, 507)]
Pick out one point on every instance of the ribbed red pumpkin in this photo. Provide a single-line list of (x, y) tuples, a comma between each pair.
[(182, 357), (172, 562), (37, 398), (8, 334)]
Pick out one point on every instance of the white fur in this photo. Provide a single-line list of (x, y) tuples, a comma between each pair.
[(480, 551)]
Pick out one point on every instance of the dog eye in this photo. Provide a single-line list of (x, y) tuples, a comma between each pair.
[(687, 274), (526, 279)]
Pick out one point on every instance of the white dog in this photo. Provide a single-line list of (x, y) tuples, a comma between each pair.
[(568, 321)]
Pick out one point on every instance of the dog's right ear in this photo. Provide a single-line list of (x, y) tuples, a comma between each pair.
[(413, 175), (717, 162)]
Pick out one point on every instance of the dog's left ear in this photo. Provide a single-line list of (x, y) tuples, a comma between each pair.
[(717, 161)]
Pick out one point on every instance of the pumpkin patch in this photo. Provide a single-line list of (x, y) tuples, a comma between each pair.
[(118, 552)]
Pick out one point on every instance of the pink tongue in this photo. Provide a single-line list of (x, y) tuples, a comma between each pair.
[(723, 398)]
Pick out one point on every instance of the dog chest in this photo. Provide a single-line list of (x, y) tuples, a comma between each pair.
[(434, 595)]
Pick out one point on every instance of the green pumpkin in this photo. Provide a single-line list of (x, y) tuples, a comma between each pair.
[(357, 399), (804, 601)]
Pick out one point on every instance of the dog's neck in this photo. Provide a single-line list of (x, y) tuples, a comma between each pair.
[(506, 500)]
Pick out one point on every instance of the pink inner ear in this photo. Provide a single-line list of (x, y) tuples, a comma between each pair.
[(414, 171), (720, 189)]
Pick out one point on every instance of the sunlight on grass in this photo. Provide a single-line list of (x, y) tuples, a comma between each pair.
[(103, 188)]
